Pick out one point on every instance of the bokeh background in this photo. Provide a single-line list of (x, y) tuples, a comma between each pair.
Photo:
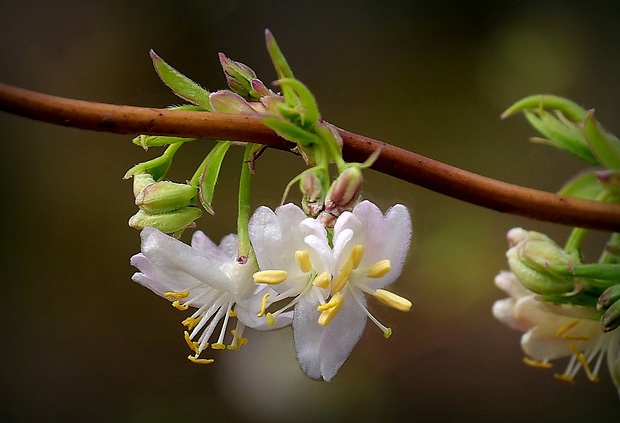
[(82, 342)]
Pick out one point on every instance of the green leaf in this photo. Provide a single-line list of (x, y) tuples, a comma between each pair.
[(309, 111), (157, 167), (539, 102), (208, 173), (290, 131), (605, 146), (585, 185), (279, 61), (558, 134), (180, 84)]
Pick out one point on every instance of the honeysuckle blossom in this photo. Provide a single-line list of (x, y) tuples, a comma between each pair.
[(207, 277), (554, 331), (327, 279)]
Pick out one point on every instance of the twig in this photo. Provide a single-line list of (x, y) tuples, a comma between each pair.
[(394, 161)]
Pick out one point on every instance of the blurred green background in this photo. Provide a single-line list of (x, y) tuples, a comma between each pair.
[(82, 342)]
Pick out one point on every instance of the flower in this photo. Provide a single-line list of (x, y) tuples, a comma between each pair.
[(327, 279), (556, 331), (207, 277)]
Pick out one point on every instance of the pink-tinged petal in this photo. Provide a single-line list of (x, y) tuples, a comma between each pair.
[(161, 280), (508, 282), (503, 310), (167, 252), (340, 336), (229, 245), (208, 248), (308, 334)]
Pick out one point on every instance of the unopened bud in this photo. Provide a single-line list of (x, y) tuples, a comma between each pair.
[(312, 194), (165, 196), (540, 264), (166, 222), (239, 78), (611, 318), (344, 191), (229, 102), (609, 297)]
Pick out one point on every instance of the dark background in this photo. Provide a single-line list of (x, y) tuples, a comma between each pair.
[(81, 342)]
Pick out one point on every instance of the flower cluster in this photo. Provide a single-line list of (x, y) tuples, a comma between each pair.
[(555, 327), (303, 274)]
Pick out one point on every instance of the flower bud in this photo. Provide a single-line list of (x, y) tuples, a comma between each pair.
[(229, 102), (540, 264), (312, 194), (609, 297), (165, 196), (611, 318), (344, 191), (166, 222), (241, 79)]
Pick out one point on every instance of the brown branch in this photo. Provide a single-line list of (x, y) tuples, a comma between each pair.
[(394, 161)]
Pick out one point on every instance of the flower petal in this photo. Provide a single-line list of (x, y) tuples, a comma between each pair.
[(167, 252), (308, 334)]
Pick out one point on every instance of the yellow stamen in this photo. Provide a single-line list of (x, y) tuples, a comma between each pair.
[(334, 305), (387, 332), (200, 360), (357, 254), (567, 327), (303, 260), (191, 322), (322, 280), (240, 339), (379, 269), (270, 319), (584, 362), (393, 300), (564, 378), (572, 337), (176, 295), (218, 346), (263, 305), (270, 277), (537, 364), (191, 344), (176, 304), (343, 276)]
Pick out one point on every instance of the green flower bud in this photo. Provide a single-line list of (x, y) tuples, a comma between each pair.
[(166, 222), (165, 196), (611, 318), (609, 297), (540, 264), (239, 77)]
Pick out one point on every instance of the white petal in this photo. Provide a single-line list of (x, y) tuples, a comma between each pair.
[(206, 247), (170, 253), (508, 282), (340, 336), (308, 334)]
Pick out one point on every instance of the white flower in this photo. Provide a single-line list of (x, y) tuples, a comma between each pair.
[(327, 284), (553, 331), (206, 277)]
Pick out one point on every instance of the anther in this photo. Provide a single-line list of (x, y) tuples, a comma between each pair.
[(200, 360), (584, 362), (379, 269), (343, 276), (357, 254), (332, 308), (393, 300), (564, 378), (263, 305), (270, 277), (176, 304), (270, 319), (303, 260), (567, 327), (322, 280), (218, 346), (191, 322), (176, 295), (537, 364), (191, 344)]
